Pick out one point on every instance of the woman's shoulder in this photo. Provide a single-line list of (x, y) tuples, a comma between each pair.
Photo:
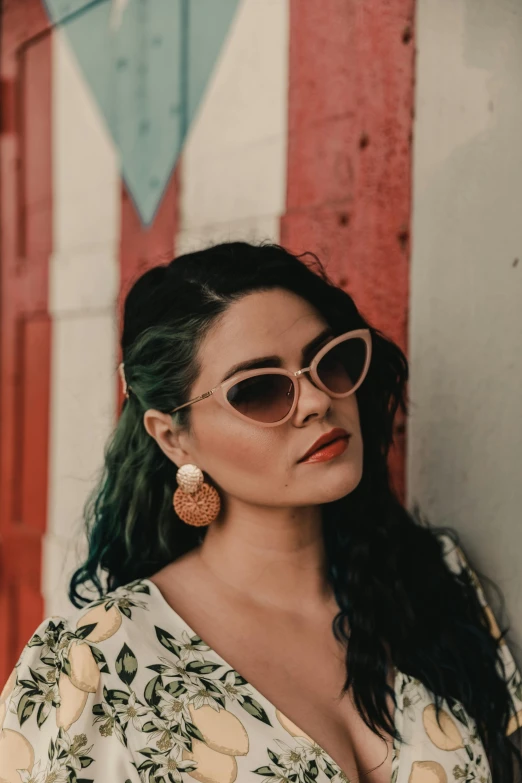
[(97, 620), (77, 645), (103, 617), (57, 707), (458, 562), (452, 552), (54, 717)]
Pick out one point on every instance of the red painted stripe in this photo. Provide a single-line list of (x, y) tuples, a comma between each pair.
[(26, 243), (351, 92), (143, 247)]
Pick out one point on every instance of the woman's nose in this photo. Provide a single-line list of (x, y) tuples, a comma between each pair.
[(310, 394)]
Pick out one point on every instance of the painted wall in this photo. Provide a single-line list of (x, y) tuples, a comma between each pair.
[(231, 182), (250, 152), (233, 175), (83, 288), (465, 433), (135, 132)]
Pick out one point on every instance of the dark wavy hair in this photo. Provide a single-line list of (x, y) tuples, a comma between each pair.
[(385, 564)]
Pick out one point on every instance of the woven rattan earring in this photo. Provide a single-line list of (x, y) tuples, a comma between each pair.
[(195, 502)]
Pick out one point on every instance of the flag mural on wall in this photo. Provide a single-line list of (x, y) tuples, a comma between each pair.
[(135, 131), (146, 66)]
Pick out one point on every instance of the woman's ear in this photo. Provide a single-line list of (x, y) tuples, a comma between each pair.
[(160, 427)]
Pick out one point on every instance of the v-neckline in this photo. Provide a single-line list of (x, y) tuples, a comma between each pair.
[(258, 695)]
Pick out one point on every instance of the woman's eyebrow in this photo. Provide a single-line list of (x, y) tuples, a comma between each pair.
[(275, 361)]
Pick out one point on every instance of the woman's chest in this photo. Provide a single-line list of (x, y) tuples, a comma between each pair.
[(300, 669), (303, 680)]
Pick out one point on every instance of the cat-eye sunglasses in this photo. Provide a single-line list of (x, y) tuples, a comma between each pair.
[(268, 396)]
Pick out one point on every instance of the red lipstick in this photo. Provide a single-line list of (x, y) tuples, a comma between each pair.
[(329, 445)]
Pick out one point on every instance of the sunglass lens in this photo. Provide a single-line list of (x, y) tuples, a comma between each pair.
[(342, 366), (265, 398)]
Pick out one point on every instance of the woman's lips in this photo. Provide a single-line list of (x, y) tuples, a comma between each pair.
[(331, 450), (324, 440)]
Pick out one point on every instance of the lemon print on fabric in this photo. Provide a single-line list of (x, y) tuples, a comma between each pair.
[(69, 669), (221, 730), (213, 767), (515, 722), (83, 675), (427, 772), (6, 692), (81, 678), (225, 738), (16, 752), (72, 702), (84, 672), (492, 621), (446, 736), (493, 625), (291, 727), (105, 619)]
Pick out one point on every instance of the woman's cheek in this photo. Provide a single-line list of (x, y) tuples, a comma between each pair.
[(246, 448)]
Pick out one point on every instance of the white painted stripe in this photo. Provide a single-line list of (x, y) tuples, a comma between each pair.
[(84, 280), (233, 170), (251, 229)]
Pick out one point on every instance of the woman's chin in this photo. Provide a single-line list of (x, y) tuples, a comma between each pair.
[(331, 488)]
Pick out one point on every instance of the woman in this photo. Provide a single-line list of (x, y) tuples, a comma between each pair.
[(266, 608)]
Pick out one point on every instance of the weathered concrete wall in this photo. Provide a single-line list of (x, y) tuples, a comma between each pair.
[(465, 436)]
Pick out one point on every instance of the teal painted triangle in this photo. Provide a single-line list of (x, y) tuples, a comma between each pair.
[(148, 76)]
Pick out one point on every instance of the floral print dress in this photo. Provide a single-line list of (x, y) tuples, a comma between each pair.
[(125, 691)]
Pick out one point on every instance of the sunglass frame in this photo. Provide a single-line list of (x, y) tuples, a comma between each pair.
[(223, 387)]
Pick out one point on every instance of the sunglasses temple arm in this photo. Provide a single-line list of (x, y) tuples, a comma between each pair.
[(196, 399)]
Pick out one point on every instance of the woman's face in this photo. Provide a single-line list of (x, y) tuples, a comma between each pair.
[(259, 465)]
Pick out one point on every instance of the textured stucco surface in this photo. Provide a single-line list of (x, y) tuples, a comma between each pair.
[(465, 432), (349, 155)]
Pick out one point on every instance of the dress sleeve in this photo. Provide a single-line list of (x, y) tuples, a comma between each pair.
[(457, 562), (51, 716)]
